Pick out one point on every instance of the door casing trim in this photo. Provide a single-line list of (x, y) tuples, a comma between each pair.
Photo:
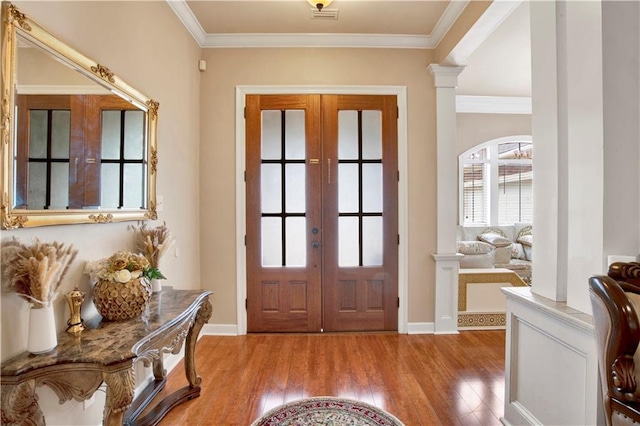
[(241, 257)]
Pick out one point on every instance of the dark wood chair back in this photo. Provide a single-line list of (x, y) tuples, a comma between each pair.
[(617, 335)]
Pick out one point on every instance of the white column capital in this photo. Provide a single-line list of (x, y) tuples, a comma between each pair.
[(445, 76)]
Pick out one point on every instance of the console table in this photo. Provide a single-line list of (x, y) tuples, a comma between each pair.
[(107, 352)]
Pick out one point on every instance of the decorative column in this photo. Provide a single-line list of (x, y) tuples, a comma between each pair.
[(447, 259)]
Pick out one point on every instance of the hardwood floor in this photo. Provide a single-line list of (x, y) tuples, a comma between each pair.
[(421, 379)]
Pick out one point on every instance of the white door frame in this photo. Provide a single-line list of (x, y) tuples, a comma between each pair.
[(241, 220)]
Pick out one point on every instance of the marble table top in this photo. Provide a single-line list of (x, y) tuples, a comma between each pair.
[(105, 342)]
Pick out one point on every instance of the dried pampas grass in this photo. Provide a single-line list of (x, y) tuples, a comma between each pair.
[(152, 243), (35, 271)]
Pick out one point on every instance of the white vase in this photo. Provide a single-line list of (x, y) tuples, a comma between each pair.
[(42, 330), (156, 286)]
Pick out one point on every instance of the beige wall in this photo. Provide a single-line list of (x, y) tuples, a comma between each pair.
[(474, 129), (228, 68), (145, 45)]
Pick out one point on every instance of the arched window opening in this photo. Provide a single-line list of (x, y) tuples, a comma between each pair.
[(495, 181)]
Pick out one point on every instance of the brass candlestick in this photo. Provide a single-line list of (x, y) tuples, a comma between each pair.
[(75, 324)]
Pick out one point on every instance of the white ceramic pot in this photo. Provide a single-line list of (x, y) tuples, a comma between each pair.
[(156, 286), (42, 330)]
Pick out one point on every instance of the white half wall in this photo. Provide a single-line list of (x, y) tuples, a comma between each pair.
[(551, 363)]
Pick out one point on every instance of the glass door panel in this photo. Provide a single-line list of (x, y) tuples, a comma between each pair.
[(271, 241), (372, 188), (372, 241), (371, 135), (271, 190), (360, 188), (294, 134), (348, 241), (283, 188)]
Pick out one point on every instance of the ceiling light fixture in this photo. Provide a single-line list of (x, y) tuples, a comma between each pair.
[(320, 4)]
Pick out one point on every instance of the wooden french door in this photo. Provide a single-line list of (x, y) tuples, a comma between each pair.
[(322, 214)]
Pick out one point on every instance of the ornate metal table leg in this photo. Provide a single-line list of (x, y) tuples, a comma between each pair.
[(20, 405), (120, 388), (203, 315)]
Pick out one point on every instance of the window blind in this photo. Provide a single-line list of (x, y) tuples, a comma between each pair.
[(475, 193)]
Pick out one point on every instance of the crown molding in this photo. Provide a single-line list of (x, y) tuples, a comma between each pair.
[(493, 104), (448, 17), (317, 40), (188, 19), (390, 41)]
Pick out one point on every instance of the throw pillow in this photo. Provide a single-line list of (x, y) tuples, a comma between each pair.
[(527, 230), (494, 239), (473, 247), (502, 256), (526, 240), (477, 261), (517, 251)]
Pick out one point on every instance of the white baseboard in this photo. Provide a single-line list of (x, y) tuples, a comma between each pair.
[(219, 330), (420, 328), (505, 421), (232, 329)]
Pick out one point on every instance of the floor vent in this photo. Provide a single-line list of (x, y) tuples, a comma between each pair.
[(325, 14)]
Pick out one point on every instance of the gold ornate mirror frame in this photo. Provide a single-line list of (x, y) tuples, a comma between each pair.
[(14, 24)]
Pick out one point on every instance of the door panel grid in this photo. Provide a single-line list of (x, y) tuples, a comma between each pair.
[(360, 188), (283, 188)]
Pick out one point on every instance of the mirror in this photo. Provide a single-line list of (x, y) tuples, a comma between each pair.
[(78, 144)]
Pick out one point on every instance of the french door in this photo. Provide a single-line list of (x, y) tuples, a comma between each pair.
[(322, 221)]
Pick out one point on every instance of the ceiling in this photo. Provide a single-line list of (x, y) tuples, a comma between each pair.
[(360, 17), (496, 51), (501, 64), (360, 23)]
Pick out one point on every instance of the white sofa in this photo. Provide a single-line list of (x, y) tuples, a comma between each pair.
[(505, 246)]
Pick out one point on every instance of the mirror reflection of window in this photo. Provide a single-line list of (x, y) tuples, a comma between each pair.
[(49, 138), (79, 152), (123, 168)]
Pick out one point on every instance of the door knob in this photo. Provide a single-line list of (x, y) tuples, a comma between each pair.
[(315, 244)]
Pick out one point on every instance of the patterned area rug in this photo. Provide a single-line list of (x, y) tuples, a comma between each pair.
[(326, 411)]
